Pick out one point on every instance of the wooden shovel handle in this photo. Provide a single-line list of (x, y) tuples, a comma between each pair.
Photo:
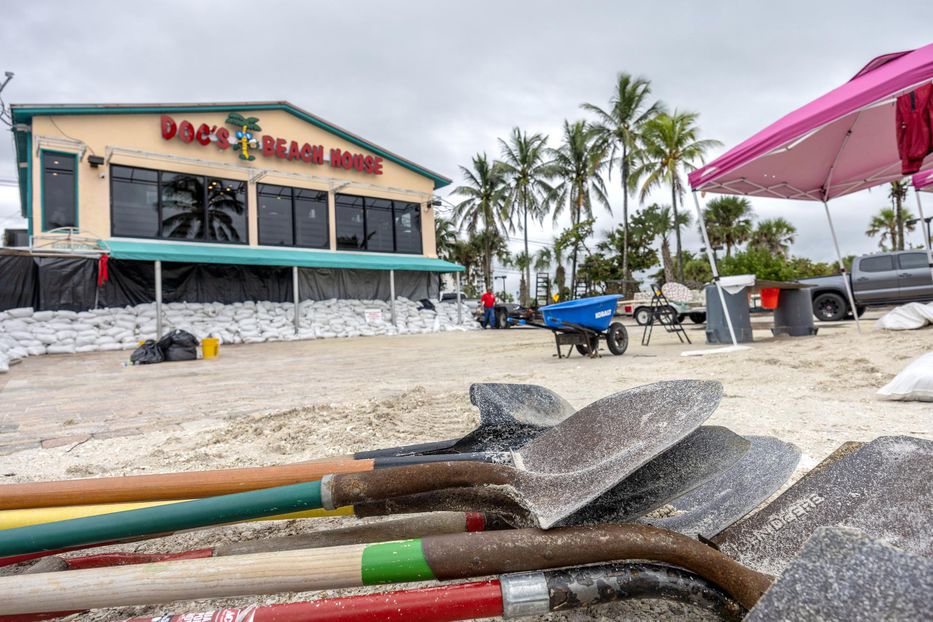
[(170, 486)]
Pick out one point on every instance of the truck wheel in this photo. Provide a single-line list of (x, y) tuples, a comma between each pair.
[(642, 315), (502, 318), (697, 317), (830, 307), (617, 338)]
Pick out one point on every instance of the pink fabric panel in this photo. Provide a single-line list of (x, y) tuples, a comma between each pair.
[(923, 181)]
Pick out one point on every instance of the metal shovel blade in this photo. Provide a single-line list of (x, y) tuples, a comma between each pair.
[(708, 509), (509, 416), (704, 454), (587, 454), (842, 575), (882, 489)]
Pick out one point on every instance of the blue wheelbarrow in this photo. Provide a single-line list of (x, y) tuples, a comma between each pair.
[(582, 323)]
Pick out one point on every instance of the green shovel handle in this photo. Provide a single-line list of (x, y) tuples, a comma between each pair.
[(160, 519)]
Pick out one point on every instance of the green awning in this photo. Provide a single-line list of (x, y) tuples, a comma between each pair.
[(191, 252)]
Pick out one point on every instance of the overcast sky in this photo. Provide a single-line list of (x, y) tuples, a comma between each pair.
[(440, 81)]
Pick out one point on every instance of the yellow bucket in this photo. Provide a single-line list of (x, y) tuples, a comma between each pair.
[(210, 347)]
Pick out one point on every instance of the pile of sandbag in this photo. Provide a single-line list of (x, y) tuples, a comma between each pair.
[(25, 332), (914, 383), (910, 316)]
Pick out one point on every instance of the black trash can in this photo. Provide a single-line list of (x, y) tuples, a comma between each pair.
[(717, 331), (794, 314)]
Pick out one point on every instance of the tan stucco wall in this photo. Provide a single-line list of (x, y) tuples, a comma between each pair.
[(107, 135)]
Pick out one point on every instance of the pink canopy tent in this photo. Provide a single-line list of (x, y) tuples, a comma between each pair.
[(839, 143), (923, 182)]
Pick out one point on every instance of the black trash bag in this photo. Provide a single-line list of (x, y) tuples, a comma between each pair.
[(179, 345), (427, 304), (148, 353)]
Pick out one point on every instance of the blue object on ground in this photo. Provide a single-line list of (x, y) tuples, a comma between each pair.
[(594, 313)]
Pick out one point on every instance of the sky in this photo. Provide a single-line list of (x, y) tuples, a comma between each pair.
[(440, 81)]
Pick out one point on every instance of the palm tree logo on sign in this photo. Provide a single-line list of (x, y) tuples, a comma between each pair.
[(244, 133)]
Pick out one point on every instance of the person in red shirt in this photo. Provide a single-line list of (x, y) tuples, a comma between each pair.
[(489, 312)]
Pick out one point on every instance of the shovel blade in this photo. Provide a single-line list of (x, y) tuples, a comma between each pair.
[(708, 509), (587, 454), (841, 574), (867, 489)]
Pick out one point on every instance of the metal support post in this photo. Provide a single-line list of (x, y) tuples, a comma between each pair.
[(925, 230), (712, 265), (842, 269), (459, 308), (392, 295), (158, 298), (297, 299)]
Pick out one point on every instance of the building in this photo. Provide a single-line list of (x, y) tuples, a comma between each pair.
[(217, 201)]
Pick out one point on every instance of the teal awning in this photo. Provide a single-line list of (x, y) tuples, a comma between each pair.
[(191, 252)]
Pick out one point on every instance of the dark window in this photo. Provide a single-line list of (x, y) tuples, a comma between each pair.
[(379, 235), (59, 201), (182, 206), (275, 215), (311, 228), (177, 206), (226, 210), (135, 201), (350, 222), (881, 263), (908, 261), (408, 228)]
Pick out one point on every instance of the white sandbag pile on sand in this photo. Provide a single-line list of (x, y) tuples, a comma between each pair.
[(914, 383), (910, 316), (25, 332)]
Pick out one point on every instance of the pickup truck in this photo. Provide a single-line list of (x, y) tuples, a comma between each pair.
[(878, 279)]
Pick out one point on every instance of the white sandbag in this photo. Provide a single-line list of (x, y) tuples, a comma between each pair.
[(910, 316), (914, 383), (37, 350), (42, 316), (21, 312), (86, 348), (109, 347), (21, 335), (4, 365), (61, 348)]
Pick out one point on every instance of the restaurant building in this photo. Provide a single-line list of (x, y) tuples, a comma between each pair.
[(213, 203)]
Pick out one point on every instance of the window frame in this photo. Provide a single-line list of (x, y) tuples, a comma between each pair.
[(292, 191), (890, 258), (924, 260), (393, 210), (204, 197), (42, 194)]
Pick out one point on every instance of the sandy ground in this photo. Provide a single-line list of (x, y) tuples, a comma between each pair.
[(292, 401)]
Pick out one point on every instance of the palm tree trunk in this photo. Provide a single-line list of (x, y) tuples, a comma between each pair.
[(667, 260), (625, 274), (680, 263), (527, 274), (899, 221), (576, 247)]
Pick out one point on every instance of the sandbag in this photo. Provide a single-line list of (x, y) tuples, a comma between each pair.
[(910, 316), (914, 383)]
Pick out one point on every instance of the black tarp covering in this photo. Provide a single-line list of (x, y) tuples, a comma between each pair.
[(71, 283)]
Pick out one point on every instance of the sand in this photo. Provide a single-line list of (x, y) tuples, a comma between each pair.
[(815, 392)]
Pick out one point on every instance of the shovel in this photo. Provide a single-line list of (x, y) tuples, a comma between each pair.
[(710, 508), (882, 488), (702, 455), (841, 574), (535, 410), (443, 557), (510, 595), (554, 475)]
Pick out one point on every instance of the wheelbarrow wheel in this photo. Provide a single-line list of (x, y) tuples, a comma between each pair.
[(617, 338), (594, 343)]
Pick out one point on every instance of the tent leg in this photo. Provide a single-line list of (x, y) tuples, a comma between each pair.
[(158, 298), (925, 230), (712, 265), (842, 269), (459, 308), (297, 298), (392, 295)]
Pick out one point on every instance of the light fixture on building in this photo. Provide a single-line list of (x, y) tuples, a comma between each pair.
[(95, 161)]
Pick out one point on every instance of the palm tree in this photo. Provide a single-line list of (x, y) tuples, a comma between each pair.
[(662, 221), (670, 148), (897, 194), (618, 130), (481, 212), (578, 164), (884, 224), (728, 221), (526, 171), (445, 236), (774, 235)]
